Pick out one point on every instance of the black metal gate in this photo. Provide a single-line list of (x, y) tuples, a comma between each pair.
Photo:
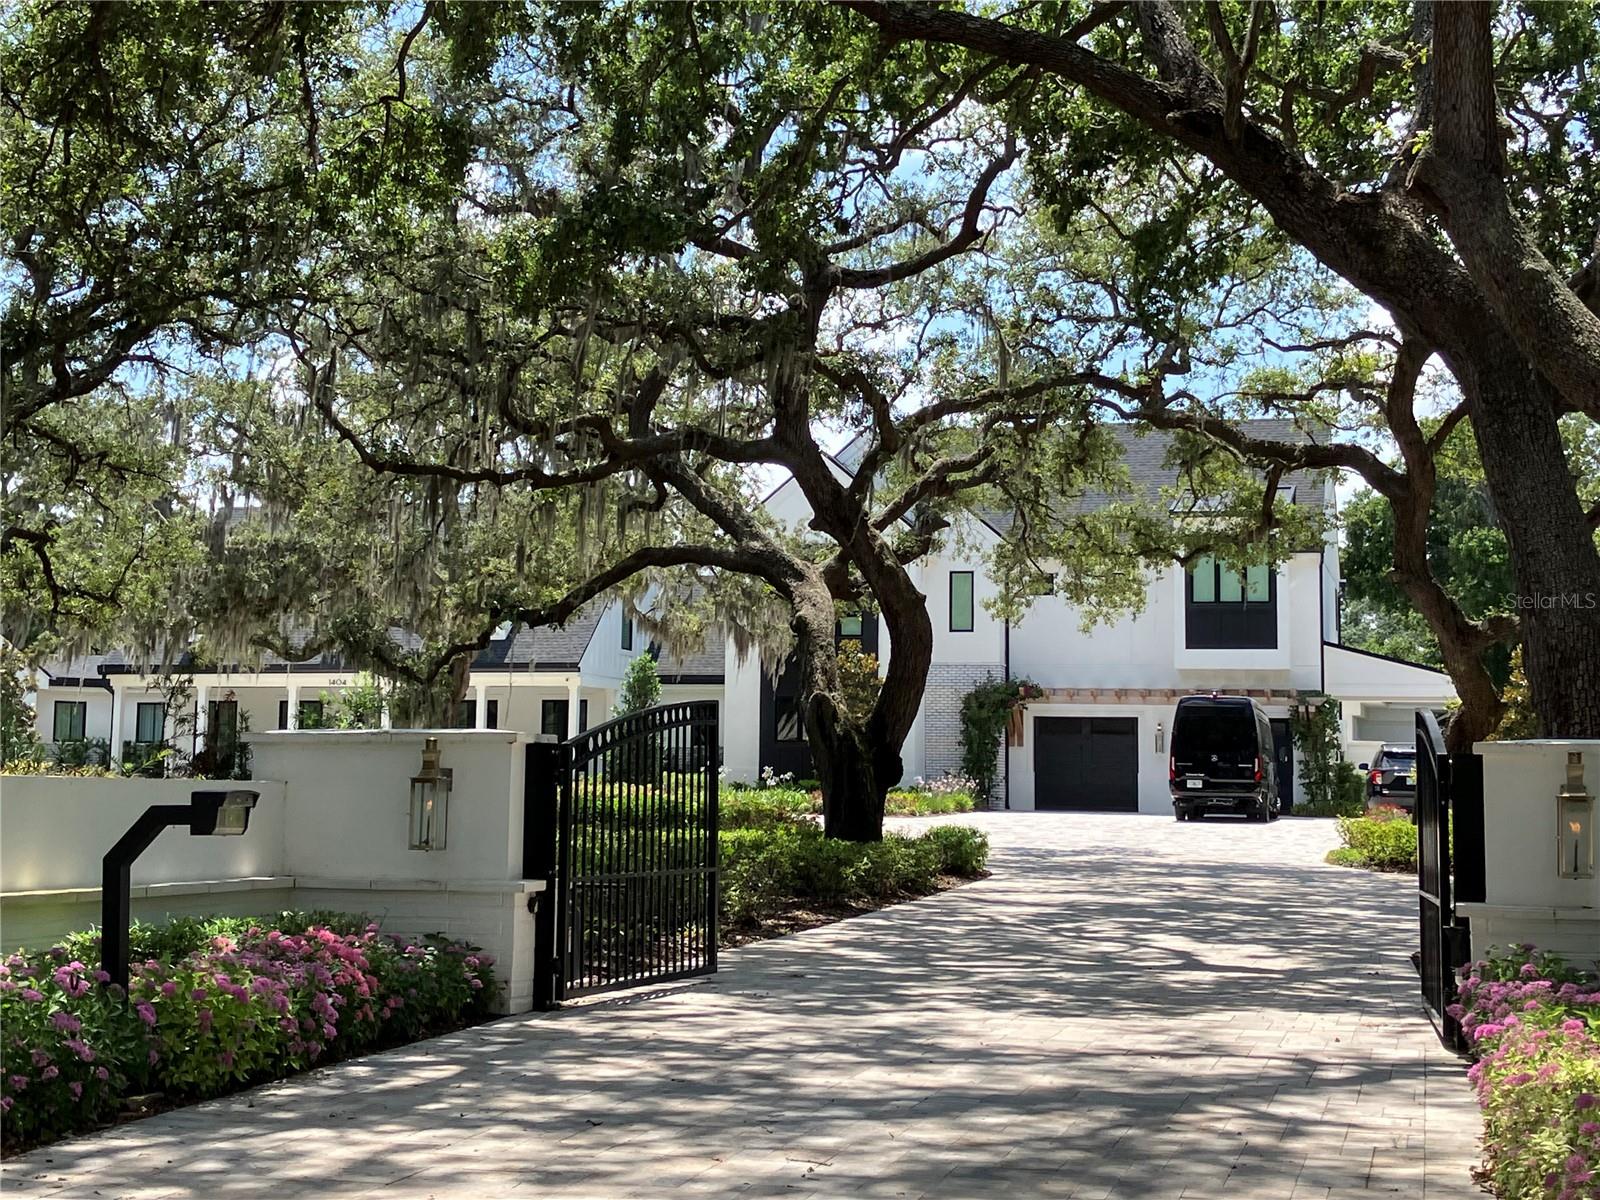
[(1450, 868), (622, 823)]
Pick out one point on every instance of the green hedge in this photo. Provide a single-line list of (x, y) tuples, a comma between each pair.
[(769, 867), (1384, 841), (743, 808)]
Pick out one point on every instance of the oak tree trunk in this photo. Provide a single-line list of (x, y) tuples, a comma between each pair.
[(1553, 556)]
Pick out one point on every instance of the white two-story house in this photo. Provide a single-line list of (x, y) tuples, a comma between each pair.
[(550, 681), (1097, 740)]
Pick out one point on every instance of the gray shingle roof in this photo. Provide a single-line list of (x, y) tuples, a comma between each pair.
[(1144, 453), (704, 665), (547, 648)]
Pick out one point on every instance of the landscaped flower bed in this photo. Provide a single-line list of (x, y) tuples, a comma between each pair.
[(212, 1006), (1534, 1023)]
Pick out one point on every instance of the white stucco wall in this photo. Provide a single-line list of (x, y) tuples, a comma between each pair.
[(348, 805), (333, 835), (1525, 900), (55, 830)]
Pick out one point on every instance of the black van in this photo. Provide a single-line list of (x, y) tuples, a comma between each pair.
[(1221, 759)]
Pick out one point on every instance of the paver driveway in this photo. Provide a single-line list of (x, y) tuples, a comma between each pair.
[(1130, 1007)]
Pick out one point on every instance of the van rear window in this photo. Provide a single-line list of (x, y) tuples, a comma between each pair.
[(1218, 728)]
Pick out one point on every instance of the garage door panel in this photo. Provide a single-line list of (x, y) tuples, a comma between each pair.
[(1088, 764)]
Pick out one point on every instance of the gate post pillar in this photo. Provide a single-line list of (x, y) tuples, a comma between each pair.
[(541, 859)]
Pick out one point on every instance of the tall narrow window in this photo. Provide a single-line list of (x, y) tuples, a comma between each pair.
[(70, 718), (627, 632), (553, 717), (1258, 583), (960, 601), (788, 721), (150, 723)]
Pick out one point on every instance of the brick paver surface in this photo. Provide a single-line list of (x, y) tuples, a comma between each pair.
[(1129, 1007)]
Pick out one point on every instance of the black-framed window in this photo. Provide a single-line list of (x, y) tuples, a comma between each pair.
[(150, 722), (222, 721), (553, 716), (961, 602), (1226, 609), (627, 632), (850, 627), (467, 714), (308, 714), (71, 718), (788, 719)]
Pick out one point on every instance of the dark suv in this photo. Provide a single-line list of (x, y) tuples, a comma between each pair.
[(1222, 759), (1392, 777)]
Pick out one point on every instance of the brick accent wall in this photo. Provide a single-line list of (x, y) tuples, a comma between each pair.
[(941, 715)]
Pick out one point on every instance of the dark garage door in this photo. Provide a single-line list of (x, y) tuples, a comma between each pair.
[(1086, 763)]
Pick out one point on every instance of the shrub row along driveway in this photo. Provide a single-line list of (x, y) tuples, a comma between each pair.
[(1130, 1007)]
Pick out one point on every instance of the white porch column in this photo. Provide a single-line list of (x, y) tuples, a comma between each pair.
[(480, 706), (384, 720), (202, 695), (572, 707), (292, 719), (114, 755)]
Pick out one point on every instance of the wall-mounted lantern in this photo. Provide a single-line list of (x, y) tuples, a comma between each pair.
[(1161, 737), (430, 800), (208, 814), (1575, 824)]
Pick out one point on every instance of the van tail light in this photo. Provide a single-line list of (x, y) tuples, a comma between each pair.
[(1258, 768), (1172, 768), (1374, 776)]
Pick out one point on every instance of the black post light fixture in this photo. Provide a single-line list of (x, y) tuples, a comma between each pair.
[(208, 814)]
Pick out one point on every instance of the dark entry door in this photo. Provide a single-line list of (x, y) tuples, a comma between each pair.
[(1088, 764), (1283, 759)]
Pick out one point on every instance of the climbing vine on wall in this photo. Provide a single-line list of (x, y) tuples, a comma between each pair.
[(985, 710)]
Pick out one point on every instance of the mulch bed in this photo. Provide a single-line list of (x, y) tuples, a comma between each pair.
[(799, 915)]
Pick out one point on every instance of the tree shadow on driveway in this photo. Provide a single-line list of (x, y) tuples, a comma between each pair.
[(1120, 1010)]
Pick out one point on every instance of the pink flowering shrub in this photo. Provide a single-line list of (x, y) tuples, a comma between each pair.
[(63, 1037), (250, 1002), (1535, 1028)]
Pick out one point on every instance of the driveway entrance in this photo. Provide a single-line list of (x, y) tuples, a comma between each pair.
[(1129, 1007)]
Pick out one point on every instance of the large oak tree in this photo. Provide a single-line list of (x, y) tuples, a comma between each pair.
[(1439, 157)]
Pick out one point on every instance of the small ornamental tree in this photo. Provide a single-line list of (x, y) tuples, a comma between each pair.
[(636, 759), (641, 686)]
